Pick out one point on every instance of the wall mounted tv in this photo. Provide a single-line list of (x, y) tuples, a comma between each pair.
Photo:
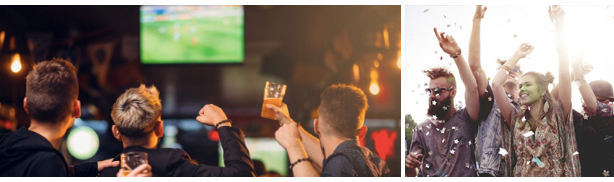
[(191, 34)]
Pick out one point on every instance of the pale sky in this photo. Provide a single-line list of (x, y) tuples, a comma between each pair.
[(504, 28)]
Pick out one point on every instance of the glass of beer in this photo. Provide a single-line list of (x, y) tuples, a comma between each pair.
[(132, 160), (273, 94)]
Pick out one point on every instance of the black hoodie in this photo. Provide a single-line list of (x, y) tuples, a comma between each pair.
[(25, 153)]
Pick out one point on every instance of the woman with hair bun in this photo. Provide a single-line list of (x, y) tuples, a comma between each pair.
[(543, 137)]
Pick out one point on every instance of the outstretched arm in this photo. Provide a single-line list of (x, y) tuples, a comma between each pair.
[(499, 80), (449, 45), (585, 90), (557, 15), (474, 51)]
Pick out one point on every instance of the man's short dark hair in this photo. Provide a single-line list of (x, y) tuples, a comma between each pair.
[(435, 73), (51, 89), (344, 107)]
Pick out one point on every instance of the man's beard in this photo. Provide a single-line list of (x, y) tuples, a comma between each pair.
[(438, 109)]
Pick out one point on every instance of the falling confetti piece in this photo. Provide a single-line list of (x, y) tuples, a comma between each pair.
[(456, 141), (437, 95), (515, 36), (443, 130), (434, 102), (606, 173), (576, 153), (523, 120), (454, 127), (502, 151), (607, 137), (469, 142), (434, 117), (430, 152), (604, 110), (489, 98), (448, 25), (437, 129), (443, 140), (528, 162), (452, 152), (528, 134), (486, 90), (427, 166), (461, 27), (425, 10), (509, 20), (416, 102), (435, 51), (441, 58), (467, 165), (427, 133), (585, 116), (428, 126), (444, 16), (425, 84)]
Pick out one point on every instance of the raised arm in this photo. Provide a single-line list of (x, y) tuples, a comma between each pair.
[(449, 45), (497, 84), (474, 51), (585, 90), (557, 15)]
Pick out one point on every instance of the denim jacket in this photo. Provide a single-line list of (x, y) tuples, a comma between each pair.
[(493, 135)]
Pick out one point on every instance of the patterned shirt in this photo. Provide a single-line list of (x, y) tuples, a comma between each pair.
[(449, 150), (595, 133), (350, 159), (493, 138), (552, 145)]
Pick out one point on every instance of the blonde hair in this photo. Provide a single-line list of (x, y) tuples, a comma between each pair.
[(137, 110)]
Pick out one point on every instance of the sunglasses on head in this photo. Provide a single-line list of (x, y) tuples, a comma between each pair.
[(437, 90)]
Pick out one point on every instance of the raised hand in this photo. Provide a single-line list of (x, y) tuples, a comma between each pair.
[(524, 50), (447, 43), (556, 14), (479, 12), (282, 114), (288, 136), (210, 115)]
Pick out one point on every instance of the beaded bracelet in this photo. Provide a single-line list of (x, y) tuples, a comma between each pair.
[(221, 122), (298, 161)]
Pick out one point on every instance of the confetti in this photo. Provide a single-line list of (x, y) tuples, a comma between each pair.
[(467, 165), (456, 141), (425, 10), (585, 116), (430, 152), (435, 51), (444, 16), (428, 126), (443, 130), (528, 162), (441, 58), (607, 137), (576, 153), (509, 20), (427, 166), (489, 98), (515, 36), (434, 102), (434, 117), (425, 84), (604, 110), (444, 140), (448, 25), (445, 108), (606, 173), (452, 152), (436, 95), (427, 133), (469, 142), (461, 27), (486, 89), (502, 151), (523, 120), (539, 163), (437, 129), (528, 134)]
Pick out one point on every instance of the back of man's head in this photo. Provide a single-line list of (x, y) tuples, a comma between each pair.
[(343, 108), (51, 89), (136, 111)]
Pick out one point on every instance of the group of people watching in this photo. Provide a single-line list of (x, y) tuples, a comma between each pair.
[(52, 103), (514, 126)]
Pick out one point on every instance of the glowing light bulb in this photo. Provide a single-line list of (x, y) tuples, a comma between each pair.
[(374, 88), (16, 66)]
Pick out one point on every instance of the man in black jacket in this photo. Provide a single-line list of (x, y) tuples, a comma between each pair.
[(51, 101), (138, 124)]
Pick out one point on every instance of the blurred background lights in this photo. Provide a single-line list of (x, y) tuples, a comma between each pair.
[(82, 142)]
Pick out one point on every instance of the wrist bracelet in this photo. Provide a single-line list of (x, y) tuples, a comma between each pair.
[(298, 161), (456, 55), (221, 122), (506, 68)]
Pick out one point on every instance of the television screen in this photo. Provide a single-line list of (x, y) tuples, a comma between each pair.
[(191, 34), (268, 151)]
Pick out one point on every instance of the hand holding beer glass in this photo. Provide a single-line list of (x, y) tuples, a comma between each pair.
[(273, 94), (132, 160)]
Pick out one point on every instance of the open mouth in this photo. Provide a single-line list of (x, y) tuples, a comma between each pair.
[(523, 95)]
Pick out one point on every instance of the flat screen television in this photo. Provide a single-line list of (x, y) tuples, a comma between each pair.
[(191, 34)]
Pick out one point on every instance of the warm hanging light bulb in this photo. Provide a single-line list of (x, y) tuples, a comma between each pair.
[(374, 88), (16, 65)]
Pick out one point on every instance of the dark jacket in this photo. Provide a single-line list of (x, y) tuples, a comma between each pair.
[(177, 163), (24, 153), (352, 160)]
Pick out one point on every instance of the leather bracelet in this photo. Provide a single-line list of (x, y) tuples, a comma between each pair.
[(506, 68), (298, 161), (221, 122), (456, 55)]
